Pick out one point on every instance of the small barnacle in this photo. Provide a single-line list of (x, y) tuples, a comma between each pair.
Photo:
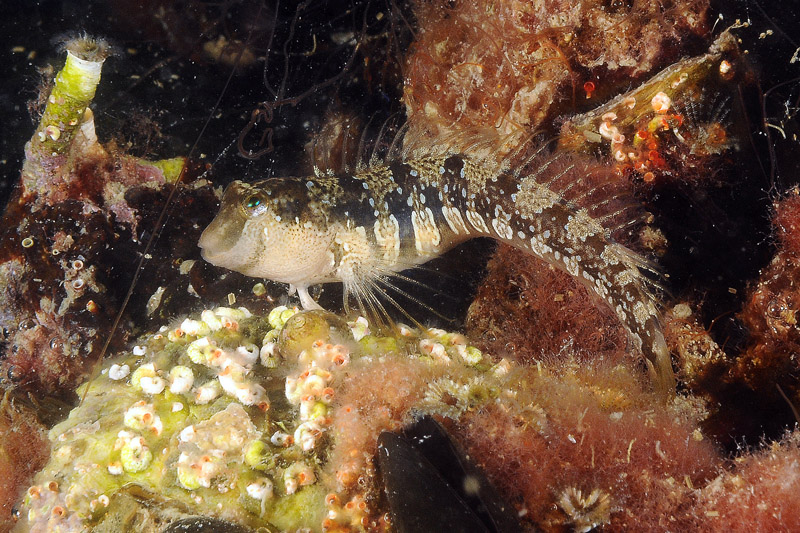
[(195, 328), (202, 351), (446, 397), (141, 416), (181, 379), (232, 381), (148, 370), (135, 455), (726, 69), (146, 378), (188, 477), (208, 392), (607, 130), (53, 132), (585, 513), (261, 489), (313, 410), (256, 453), (211, 320), (267, 354), (629, 102), (117, 372), (240, 313), (433, 349), (297, 475), (281, 439), (279, 315), (359, 328), (229, 323), (307, 435), (247, 354)]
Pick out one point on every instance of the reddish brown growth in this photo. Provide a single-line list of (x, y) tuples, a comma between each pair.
[(521, 295), (771, 315), (761, 494), (373, 397), (772, 311), (23, 451), (596, 432), (757, 391)]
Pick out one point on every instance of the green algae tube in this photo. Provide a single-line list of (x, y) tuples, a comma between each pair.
[(73, 91)]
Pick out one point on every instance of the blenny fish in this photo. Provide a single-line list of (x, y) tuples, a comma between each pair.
[(363, 227)]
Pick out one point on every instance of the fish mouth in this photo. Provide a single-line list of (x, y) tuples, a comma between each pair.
[(221, 237)]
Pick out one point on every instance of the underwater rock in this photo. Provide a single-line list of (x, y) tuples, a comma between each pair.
[(229, 415), (82, 216), (579, 444), (766, 371), (499, 69), (275, 420)]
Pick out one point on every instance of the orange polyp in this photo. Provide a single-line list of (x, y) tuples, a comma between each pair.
[(589, 87)]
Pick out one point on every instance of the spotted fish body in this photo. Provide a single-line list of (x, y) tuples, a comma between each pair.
[(362, 227)]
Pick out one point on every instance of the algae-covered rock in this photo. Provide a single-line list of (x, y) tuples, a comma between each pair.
[(225, 415), (232, 420)]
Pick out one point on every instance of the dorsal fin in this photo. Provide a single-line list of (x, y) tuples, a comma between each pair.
[(585, 183)]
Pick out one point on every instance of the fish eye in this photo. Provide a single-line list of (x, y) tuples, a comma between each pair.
[(253, 204)]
